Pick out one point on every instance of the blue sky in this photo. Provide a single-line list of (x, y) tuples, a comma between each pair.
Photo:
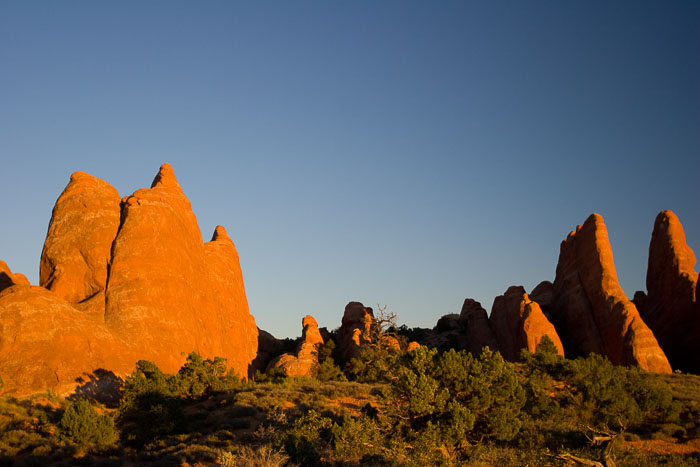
[(409, 154)]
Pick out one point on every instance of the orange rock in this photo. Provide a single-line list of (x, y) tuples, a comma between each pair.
[(355, 329), (170, 294), (670, 308), (413, 345), (306, 358), (76, 252), (519, 323), (476, 326), (151, 288), (8, 279), (45, 343), (589, 309)]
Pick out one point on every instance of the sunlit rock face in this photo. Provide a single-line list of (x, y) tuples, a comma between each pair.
[(519, 323), (355, 329), (670, 307), (136, 269), (305, 361), (589, 309)]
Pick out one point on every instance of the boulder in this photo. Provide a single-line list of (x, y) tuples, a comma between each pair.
[(476, 328), (589, 309), (670, 308), (306, 358), (77, 250), (519, 323), (8, 278), (413, 345), (355, 329)]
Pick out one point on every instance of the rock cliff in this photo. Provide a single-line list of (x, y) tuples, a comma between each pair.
[(589, 309), (670, 308), (137, 281), (306, 358)]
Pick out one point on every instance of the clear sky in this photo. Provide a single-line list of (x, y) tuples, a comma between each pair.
[(409, 154)]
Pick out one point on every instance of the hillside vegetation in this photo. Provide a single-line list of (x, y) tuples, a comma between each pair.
[(424, 407)]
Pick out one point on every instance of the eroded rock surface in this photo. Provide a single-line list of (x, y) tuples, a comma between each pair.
[(77, 249), (355, 329), (306, 358), (519, 323), (589, 309), (45, 343), (138, 271), (670, 308)]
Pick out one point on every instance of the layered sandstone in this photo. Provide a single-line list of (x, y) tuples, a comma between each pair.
[(476, 328), (305, 360), (589, 309), (670, 308), (519, 323), (355, 329)]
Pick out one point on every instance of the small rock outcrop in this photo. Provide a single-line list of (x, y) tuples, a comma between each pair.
[(519, 323), (670, 308), (476, 327), (355, 329), (589, 309), (8, 278), (306, 358)]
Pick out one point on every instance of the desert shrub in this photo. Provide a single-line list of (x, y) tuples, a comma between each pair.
[(453, 397), (327, 370), (307, 438), (375, 364), (356, 438), (540, 366), (150, 406), (618, 397), (199, 377), (81, 424)]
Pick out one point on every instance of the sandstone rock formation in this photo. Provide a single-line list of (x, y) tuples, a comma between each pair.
[(671, 308), (138, 270), (8, 279), (355, 329), (306, 358), (45, 343), (413, 345), (476, 327), (589, 309), (76, 253), (519, 323)]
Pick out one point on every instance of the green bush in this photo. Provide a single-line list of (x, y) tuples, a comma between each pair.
[(327, 370), (82, 425), (453, 397), (199, 377), (151, 406)]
